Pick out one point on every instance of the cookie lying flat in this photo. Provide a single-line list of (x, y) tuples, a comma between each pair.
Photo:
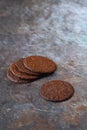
[(40, 64), (56, 90), (19, 64), (19, 74), (14, 78)]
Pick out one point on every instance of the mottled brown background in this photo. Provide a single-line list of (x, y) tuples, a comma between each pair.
[(56, 29)]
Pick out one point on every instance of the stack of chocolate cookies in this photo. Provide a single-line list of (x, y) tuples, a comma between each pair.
[(31, 68)]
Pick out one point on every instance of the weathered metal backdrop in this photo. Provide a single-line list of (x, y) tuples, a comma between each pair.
[(56, 29)]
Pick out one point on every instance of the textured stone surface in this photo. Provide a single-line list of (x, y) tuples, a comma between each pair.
[(53, 28)]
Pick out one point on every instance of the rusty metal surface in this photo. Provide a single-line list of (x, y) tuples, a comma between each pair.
[(53, 28)]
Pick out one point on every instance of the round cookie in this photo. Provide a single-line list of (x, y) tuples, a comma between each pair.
[(19, 74), (14, 78), (40, 64), (56, 90), (19, 64)]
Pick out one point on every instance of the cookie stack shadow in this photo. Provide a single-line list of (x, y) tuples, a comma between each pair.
[(30, 68)]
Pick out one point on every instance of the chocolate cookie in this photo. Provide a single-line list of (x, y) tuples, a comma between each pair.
[(14, 78), (19, 64), (56, 90), (19, 74), (40, 64)]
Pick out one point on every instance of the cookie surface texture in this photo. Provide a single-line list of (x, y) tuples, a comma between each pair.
[(19, 64), (56, 90), (40, 64)]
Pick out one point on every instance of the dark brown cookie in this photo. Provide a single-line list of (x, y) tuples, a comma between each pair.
[(19, 64), (14, 78), (40, 64), (56, 90), (19, 74)]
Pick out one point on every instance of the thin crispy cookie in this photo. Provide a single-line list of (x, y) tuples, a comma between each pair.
[(40, 64), (56, 90)]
